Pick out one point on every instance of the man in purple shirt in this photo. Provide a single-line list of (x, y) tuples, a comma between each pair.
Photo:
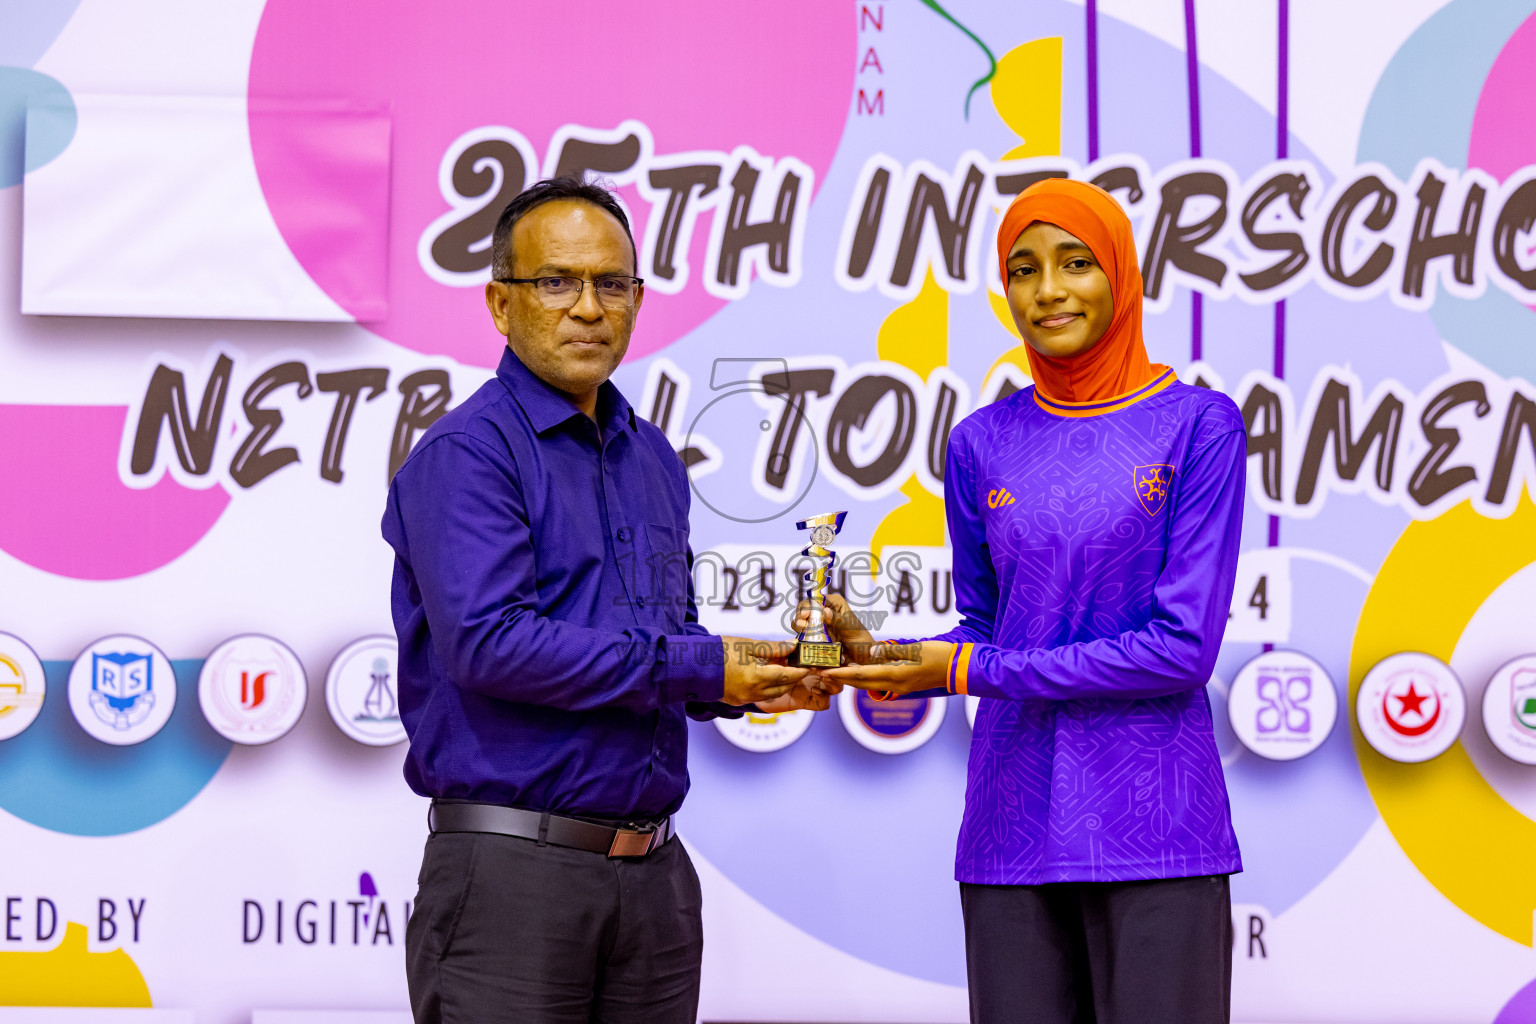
[(550, 653)]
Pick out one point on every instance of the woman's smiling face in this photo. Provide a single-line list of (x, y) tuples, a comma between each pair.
[(1059, 294)]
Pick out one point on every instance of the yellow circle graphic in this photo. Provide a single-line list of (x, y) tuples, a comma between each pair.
[(1459, 832)]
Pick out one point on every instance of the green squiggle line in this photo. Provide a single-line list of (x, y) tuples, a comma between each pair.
[(991, 60)]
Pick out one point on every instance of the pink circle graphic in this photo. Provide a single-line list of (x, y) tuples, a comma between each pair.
[(1502, 142), (701, 75), (68, 512)]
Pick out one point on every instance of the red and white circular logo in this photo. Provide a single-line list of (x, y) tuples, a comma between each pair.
[(252, 689), (1411, 707)]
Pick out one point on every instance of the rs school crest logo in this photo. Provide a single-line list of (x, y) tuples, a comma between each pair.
[(122, 690), (1152, 483)]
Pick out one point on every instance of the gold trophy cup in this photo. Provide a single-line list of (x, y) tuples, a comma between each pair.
[(815, 648)]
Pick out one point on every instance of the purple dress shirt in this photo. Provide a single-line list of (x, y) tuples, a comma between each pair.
[(550, 649)]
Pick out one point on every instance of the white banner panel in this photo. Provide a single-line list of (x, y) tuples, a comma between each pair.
[(155, 209)]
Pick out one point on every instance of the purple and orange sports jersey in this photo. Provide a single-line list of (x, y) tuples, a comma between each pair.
[(1095, 549)]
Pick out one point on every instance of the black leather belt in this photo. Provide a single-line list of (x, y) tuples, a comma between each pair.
[(613, 841)]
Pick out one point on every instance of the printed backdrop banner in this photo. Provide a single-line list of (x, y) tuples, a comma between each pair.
[(247, 247)]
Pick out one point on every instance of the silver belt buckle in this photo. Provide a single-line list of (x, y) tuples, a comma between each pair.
[(628, 842)]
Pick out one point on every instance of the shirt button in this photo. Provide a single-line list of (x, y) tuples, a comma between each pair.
[(624, 534), (693, 696), (640, 602)]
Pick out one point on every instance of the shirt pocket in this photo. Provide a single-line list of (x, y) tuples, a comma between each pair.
[(664, 574)]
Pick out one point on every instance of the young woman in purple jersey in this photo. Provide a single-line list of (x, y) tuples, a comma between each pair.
[(1095, 521)]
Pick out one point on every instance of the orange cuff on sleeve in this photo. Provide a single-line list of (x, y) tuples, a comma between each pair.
[(959, 668)]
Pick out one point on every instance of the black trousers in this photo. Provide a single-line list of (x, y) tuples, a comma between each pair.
[(1156, 952), (507, 930)]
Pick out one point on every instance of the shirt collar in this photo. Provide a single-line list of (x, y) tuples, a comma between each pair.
[(548, 408)]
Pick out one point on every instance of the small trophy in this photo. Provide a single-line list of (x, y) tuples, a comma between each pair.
[(816, 649)]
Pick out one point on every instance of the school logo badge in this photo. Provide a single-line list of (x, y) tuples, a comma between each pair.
[(1282, 705), (1152, 483), (1411, 707), (1410, 717), (763, 734), (252, 689), (122, 687), (1509, 709), (21, 685), (122, 690), (361, 691), (1522, 690), (890, 726)]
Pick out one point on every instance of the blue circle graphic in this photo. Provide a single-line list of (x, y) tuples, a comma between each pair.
[(57, 777)]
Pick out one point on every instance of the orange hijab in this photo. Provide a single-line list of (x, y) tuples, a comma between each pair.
[(1118, 364)]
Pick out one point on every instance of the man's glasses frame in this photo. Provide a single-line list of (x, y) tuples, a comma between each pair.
[(613, 291)]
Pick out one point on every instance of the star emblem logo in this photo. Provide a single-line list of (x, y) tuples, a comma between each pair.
[(1411, 707), (1412, 700), (1416, 711)]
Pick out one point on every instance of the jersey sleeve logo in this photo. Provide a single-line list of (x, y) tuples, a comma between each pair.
[(999, 497), (1152, 483)]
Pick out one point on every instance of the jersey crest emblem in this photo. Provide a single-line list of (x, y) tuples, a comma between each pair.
[(1152, 483)]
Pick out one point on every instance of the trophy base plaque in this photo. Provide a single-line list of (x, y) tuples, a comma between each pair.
[(810, 654)]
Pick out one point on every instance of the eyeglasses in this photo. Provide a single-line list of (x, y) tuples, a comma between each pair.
[(614, 291)]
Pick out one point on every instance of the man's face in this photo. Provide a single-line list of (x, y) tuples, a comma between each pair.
[(573, 350), (1059, 294)]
